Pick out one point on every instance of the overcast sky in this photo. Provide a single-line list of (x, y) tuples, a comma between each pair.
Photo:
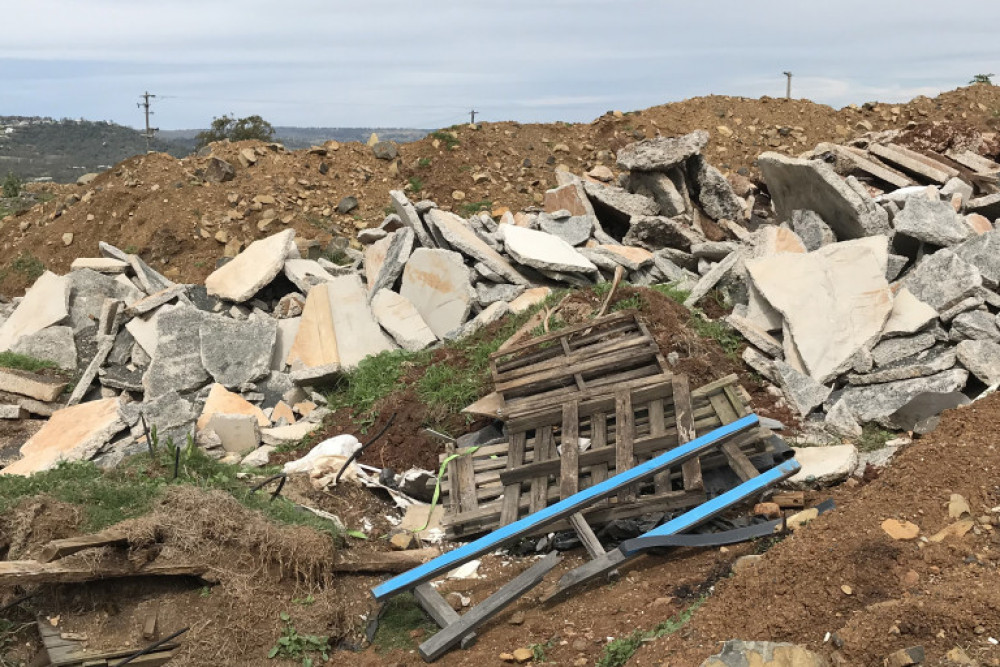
[(381, 63)]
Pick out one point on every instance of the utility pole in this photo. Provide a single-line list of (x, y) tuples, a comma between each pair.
[(788, 86), (146, 104), (472, 116)]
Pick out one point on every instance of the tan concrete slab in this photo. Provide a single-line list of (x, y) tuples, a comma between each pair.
[(252, 269), (357, 331), (222, 401), (31, 385), (45, 303), (529, 298), (315, 342)]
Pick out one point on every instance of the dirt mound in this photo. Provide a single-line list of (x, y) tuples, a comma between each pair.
[(181, 224), (900, 593)]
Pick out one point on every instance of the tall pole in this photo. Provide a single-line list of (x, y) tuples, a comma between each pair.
[(145, 104), (788, 86), (472, 116)]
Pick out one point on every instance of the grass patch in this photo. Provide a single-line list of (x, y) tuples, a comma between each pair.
[(618, 652), (416, 183), (401, 616), (670, 291), (473, 207), (873, 438), (720, 332), (29, 266), (295, 646), (373, 379), (449, 140), (424, 162), (23, 362)]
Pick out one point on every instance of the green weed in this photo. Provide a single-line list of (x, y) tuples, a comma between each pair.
[(670, 291), (293, 645), (23, 362), (424, 162), (402, 615), (416, 183), (873, 438), (473, 207), (718, 331), (449, 140), (374, 378), (618, 652), (29, 266)]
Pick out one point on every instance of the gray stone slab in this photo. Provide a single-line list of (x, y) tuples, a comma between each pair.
[(236, 352), (908, 315), (656, 232), (713, 278), (895, 266), (53, 344), (437, 283), (934, 222), (288, 328), (760, 363), (252, 269), (486, 317), (965, 305), (922, 413), (306, 273), (660, 188), (411, 218), (615, 206), (173, 416), (154, 301), (713, 191), (684, 260), (878, 402), (803, 392), (942, 280), (544, 251), (713, 251), (357, 331), (812, 230), (661, 153), (841, 422), (461, 237), (975, 325), (756, 336), (176, 363), (88, 290), (487, 293), (121, 377), (796, 184), (574, 230), (893, 349), (983, 252), (384, 260), (988, 206), (400, 318), (982, 358), (274, 387), (927, 362)]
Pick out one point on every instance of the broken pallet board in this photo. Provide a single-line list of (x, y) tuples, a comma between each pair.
[(24, 572), (64, 652)]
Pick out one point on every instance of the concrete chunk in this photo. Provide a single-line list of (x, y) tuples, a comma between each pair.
[(239, 433), (436, 282), (909, 314), (154, 301), (934, 222), (409, 216), (713, 277), (305, 273), (811, 229), (756, 336), (222, 401), (543, 251), (921, 365), (357, 332), (975, 325), (893, 349), (400, 318), (31, 385), (100, 264), (385, 259), (714, 192), (52, 344), (252, 269), (840, 421), (176, 363), (574, 230), (657, 232), (45, 303), (802, 391), (529, 298), (878, 402), (982, 358), (568, 197), (913, 163), (487, 293), (616, 206), (235, 352), (942, 280), (661, 189), (661, 153), (283, 435), (983, 253), (824, 465), (288, 329), (458, 234), (315, 342)]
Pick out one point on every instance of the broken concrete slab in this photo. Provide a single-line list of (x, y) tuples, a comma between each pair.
[(400, 318), (982, 251), (942, 280), (315, 342), (975, 325), (54, 344), (713, 191), (288, 329), (45, 303), (922, 364), (529, 298), (661, 153), (150, 279), (574, 230), (657, 232), (631, 258), (796, 184), (892, 350), (106, 265), (811, 229), (176, 362), (71, 434), (824, 466), (934, 222), (922, 413), (713, 277), (803, 392), (458, 234), (88, 292), (32, 385), (487, 293), (12, 411), (283, 435), (121, 377), (239, 433), (909, 314), (356, 329), (840, 421), (409, 216), (878, 402), (756, 336), (982, 358), (144, 329), (235, 352), (834, 300), (154, 301), (385, 259), (760, 363), (222, 401), (544, 251), (969, 303), (987, 206), (486, 317), (305, 273), (248, 272), (713, 251), (615, 207), (914, 163), (173, 416), (661, 189), (568, 197)]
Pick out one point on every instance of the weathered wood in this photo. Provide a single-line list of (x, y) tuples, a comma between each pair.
[(72, 653), (392, 562), (586, 535), (624, 440), (598, 440), (602, 364), (57, 549), (790, 499), (686, 432), (619, 318), (658, 426), (738, 461), (437, 645), (439, 610), (569, 482), (466, 481), (150, 624), (545, 448), (512, 492), (25, 572)]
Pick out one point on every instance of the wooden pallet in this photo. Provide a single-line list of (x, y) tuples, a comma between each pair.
[(66, 652), (500, 483)]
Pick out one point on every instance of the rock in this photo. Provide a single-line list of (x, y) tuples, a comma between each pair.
[(219, 171), (87, 179), (981, 358), (104, 265), (909, 314), (824, 466), (834, 300), (656, 232), (616, 206), (529, 298), (154, 301), (737, 653), (879, 401), (796, 184), (408, 215), (969, 303), (356, 330), (660, 188), (369, 236), (574, 230), (290, 306), (487, 293), (239, 433), (71, 434), (933, 222), (543, 251), (803, 392), (713, 191), (841, 422), (31, 385), (235, 352), (895, 266), (283, 435), (252, 269), (661, 153), (632, 259), (748, 562), (942, 280), (894, 349), (461, 237), (809, 227), (601, 173), (176, 361), (173, 416), (975, 325), (713, 251), (760, 363), (88, 292), (921, 414), (488, 316), (906, 657), (385, 150), (400, 318), (983, 253), (756, 336), (958, 507), (713, 277), (923, 364), (960, 657), (222, 401), (385, 259), (402, 541), (259, 457), (436, 282), (54, 344), (315, 342), (523, 655), (45, 303), (306, 273)]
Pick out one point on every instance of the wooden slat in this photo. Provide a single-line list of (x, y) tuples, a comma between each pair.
[(624, 439), (606, 321), (657, 427), (607, 363), (24, 572), (576, 376), (544, 450), (451, 474), (57, 549), (517, 405), (569, 469), (586, 534), (439, 610), (466, 480), (738, 461), (386, 561), (570, 358), (684, 415), (512, 492), (599, 440)]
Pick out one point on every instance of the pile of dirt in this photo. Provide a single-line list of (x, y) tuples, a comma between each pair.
[(181, 224), (844, 575)]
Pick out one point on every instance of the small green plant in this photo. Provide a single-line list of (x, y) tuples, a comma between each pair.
[(618, 652), (473, 207), (401, 616), (718, 331), (538, 651), (29, 266), (424, 162), (12, 185), (23, 362), (416, 183), (670, 291), (318, 222), (388, 210), (293, 645), (206, 591), (873, 438), (307, 601), (447, 138), (984, 79)]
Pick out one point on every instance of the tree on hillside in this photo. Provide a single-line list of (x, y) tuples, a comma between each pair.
[(986, 79), (236, 129), (11, 186)]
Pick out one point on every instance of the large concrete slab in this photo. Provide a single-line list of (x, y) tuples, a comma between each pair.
[(385, 259), (53, 344), (943, 280), (913, 163), (288, 329), (400, 318), (357, 331), (315, 343), (796, 184), (879, 401), (661, 153), (834, 300), (437, 283), (543, 251), (241, 278), (176, 364), (458, 234), (235, 352), (71, 434), (45, 303)]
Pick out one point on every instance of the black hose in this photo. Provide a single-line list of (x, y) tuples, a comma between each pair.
[(277, 492), (359, 450), (150, 648)]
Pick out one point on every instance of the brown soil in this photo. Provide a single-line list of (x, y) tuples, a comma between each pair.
[(157, 206)]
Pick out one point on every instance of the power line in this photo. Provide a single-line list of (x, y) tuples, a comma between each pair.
[(146, 104)]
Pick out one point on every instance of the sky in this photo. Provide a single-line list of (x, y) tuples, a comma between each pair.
[(390, 63)]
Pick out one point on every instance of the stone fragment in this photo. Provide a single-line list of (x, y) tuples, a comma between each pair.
[(529, 298), (523, 655), (236, 352), (913, 162), (760, 363), (921, 414), (305, 273), (661, 153), (461, 237), (900, 530), (315, 375), (895, 266), (154, 301), (385, 259), (796, 184), (487, 293), (756, 336), (631, 258), (713, 278), (923, 364), (225, 402), (71, 434), (239, 433), (978, 224), (967, 304), (486, 317), (176, 360), (385, 150), (657, 232), (983, 253), (369, 236), (906, 657), (54, 344), (713, 191), (574, 230), (981, 358), (347, 204), (356, 330), (88, 292), (252, 269), (315, 343), (409, 216), (282, 411), (713, 251), (569, 197), (45, 303), (909, 314), (105, 265), (543, 251), (615, 206), (803, 392), (737, 653), (660, 188), (259, 457), (400, 318), (824, 466), (283, 435), (31, 385), (841, 422), (933, 222), (878, 402), (13, 411), (218, 171), (975, 325), (809, 227), (894, 349), (942, 280)]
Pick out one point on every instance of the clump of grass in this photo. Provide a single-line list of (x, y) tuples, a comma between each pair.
[(297, 646), (619, 651), (373, 379), (447, 138), (670, 291), (720, 332), (416, 183), (473, 207), (424, 162), (873, 438), (29, 266), (23, 362), (401, 616)]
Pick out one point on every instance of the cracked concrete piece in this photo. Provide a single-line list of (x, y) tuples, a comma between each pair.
[(487, 293), (922, 364), (176, 363), (811, 229), (934, 222), (106, 265), (458, 234), (88, 291), (714, 277), (385, 259), (305, 273), (657, 232), (983, 253), (315, 342), (760, 363), (544, 251), (756, 336), (714, 192), (408, 215), (840, 421), (222, 401), (825, 466), (893, 349), (235, 352), (400, 318), (909, 314), (942, 280), (616, 206), (834, 300), (45, 303), (71, 434), (660, 188), (975, 325), (154, 301), (574, 230), (982, 358), (631, 258), (248, 272), (661, 153), (357, 332), (238, 433), (878, 402), (53, 344), (803, 392), (32, 385), (283, 435), (486, 317)]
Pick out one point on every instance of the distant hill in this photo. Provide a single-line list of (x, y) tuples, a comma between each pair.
[(304, 137), (37, 147)]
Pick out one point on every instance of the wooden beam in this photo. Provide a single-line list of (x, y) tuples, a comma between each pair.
[(390, 561), (57, 549), (439, 610), (569, 476), (24, 572)]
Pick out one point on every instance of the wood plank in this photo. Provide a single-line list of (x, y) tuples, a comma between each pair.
[(606, 321), (624, 440), (598, 440), (738, 461), (790, 499), (451, 474), (466, 481), (553, 397), (684, 416), (571, 358), (586, 535), (392, 562), (658, 426), (588, 365), (544, 449), (439, 644), (508, 363), (25, 572), (57, 549), (569, 470), (439, 610), (150, 624), (512, 492), (576, 376)]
